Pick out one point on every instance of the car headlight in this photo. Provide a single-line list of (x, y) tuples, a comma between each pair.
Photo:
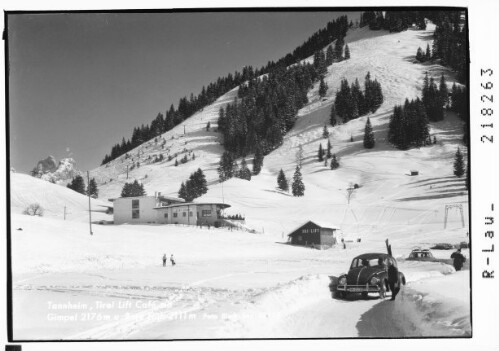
[(374, 281), (342, 281)]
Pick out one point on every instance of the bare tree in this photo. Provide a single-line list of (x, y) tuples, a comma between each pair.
[(34, 210)]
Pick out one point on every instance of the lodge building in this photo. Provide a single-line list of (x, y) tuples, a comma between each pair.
[(167, 210)]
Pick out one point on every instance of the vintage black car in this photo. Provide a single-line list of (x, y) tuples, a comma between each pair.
[(367, 274)]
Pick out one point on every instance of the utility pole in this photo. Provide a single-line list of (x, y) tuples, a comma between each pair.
[(184, 129), (64, 212), (126, 171), (89, 205)]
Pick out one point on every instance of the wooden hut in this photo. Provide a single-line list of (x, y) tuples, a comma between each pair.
[(314, 234)]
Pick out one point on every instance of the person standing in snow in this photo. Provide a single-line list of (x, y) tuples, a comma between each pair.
[(172, 260), (164, 260), (458, 258), (393, 279)]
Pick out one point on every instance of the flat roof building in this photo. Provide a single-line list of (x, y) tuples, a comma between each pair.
[(167, 210)]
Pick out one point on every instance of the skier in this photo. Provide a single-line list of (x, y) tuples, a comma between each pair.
[(458, 258), (393, 279), (164, 260), (172, 260)]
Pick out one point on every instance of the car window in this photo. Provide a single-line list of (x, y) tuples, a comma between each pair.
[(373, 262)]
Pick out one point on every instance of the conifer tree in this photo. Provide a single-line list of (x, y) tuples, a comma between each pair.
[(78, 185), (378, 96), (332, 116), (343, 102), (201, 182), (176, 162), (320, 154), (320, 63), (408, 125), (420, 55), (368, 91), (328, 152), (282, 182), (358, 100), (338, 49), (426, 88), (347, 52), (244, 172), (236, 171), (322, 88), (298, 188), (208, 126), (92, 189), (325, 132), (257, 161), (368, 135), (428, 53), (133, 189), (182, 193), (329, 55), (432, 100), (334, 162), (443, 92), (458, 164), (194, 187), (225, 167)]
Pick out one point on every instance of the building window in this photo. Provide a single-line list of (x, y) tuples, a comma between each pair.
[(206, 213), (299, 237), (166, 215), (135, 203), (184, 214), (175, 214), (135, 213), (190, 213)]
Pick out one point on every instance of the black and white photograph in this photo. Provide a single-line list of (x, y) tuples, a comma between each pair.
[(242, 174)]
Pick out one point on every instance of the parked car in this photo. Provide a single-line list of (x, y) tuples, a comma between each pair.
[(442, 246), (419, 254), (367, 274)]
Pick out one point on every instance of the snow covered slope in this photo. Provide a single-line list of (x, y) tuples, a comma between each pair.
[(387, 195), (26, 190)]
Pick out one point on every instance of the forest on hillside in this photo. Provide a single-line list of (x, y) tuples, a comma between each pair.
[(275, 99)]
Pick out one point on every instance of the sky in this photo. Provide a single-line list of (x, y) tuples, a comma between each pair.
[(78, 83)]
